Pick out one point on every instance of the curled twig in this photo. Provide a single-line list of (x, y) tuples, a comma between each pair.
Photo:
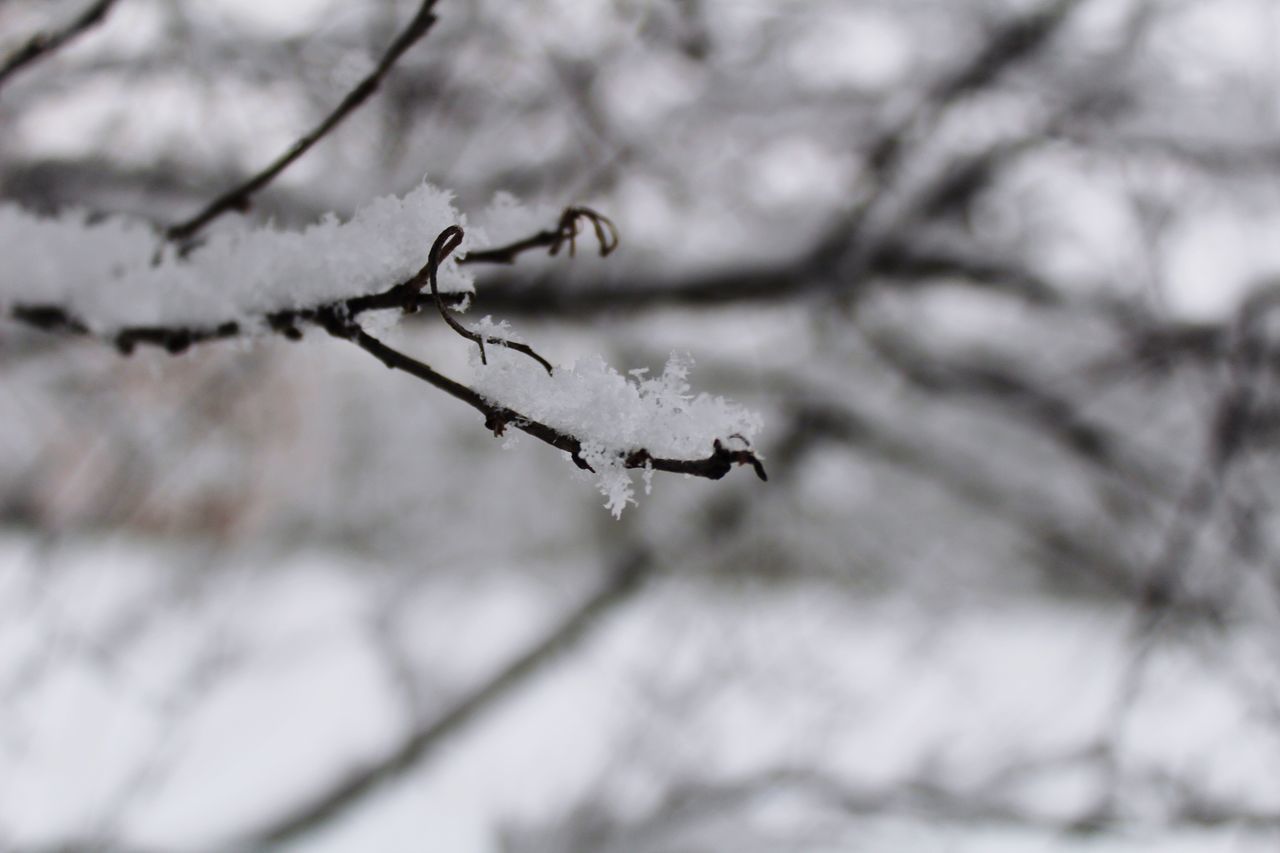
[(566, 231), (449, 239), (571, 224)]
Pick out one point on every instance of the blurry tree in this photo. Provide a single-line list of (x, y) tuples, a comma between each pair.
[(999, 276)]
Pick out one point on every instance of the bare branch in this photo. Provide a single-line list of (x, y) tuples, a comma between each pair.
[(240, 198), (566, 231), (814, 274), (1054, 415), (572, 629), (1014, 42), (45, 44)]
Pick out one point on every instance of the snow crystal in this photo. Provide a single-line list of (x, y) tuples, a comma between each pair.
[(105, 271), (612, 414)]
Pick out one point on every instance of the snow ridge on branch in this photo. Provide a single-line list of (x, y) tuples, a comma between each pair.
[(77, 277)]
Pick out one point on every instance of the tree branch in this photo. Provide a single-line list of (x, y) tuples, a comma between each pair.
[(45, 44), (566, 231), (406, 296), (338, 318), (1013, 42), (812, 275), (498, 417), (239, 198), (576, 625), (449, 240)]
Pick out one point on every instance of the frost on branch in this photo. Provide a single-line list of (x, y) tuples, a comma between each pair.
[(105, 273), (614, 415)]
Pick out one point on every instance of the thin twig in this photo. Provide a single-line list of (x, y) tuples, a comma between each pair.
[(240, 197), (1013, 42), (449, 239), (565, 232), (497, 417), (45, 44)]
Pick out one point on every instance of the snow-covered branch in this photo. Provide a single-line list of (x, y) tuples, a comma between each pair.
[(74, 276)]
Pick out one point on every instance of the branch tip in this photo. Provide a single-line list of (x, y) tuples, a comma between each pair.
[(571, 225)]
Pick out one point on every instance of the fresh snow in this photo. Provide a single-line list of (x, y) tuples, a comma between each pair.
[(613, 414), (105, 271), (116, 272)]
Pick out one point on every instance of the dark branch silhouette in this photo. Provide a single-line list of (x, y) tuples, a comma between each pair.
[(240, 197), (497, 417), (809, 276), (1013, 42), (449, 240), (565, 232), (46, 44)]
